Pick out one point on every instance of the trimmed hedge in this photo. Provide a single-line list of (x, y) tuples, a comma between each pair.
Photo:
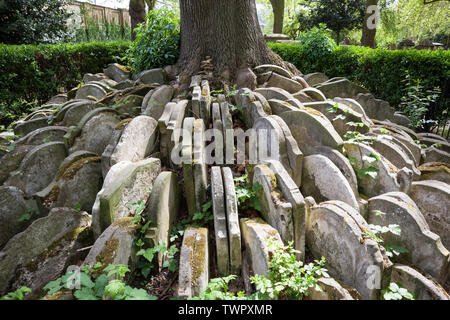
[(30, 72), (380, 71)]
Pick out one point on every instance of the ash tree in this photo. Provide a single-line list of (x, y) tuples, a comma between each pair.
[(228, 31), (336, 15), (33, 21)]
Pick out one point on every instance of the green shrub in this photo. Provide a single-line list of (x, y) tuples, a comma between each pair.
[(316, 42), (31, 74), (380, 71), (157, 41)]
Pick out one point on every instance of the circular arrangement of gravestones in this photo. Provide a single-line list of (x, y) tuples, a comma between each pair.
[(131, 158)]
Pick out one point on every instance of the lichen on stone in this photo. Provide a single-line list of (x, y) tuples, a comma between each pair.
[(122, 123), (72, 170)]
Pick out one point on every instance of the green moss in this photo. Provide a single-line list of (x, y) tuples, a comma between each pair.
[(51, 197), (198, 247), (107, 255), (72, 170), (122, 123)]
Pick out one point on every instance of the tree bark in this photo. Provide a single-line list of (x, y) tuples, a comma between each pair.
[(278, 15), (137, 13), (228, 31), (369, 32)]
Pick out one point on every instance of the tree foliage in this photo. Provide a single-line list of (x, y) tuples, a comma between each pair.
[(157, 41), (33, 21), (413, 19), (337, 15)]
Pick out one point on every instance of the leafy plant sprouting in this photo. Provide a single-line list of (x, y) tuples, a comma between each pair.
[(95, 285), (217, 289), (157, 41), (19, 294), (246, 194), (395, 292), (371, 171), (288, 278), (29, 213), (375, 232), (416, 100)]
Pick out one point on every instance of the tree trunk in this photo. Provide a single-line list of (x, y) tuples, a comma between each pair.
[(369, 27), (137, 13), (278, 15), (228, 31)]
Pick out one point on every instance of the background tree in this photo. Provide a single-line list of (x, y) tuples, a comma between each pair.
[(278, 15), (337, 15), (33, 21), (137, 13), (227, 31), (369, 27)]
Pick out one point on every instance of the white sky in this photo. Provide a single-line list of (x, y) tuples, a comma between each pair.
[(109, 3)]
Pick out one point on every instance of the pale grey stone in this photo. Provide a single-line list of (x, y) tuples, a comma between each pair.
[(352, 103), (279, 81), (341, 116), (421, 286), (43, 135), (163, 208), (425, 249), (401, 119), (342, 163), (194, 263), (323, 181), (343, 88), (90, 90), (294, 154), (75, 184), (255, 234), (315, 78), (437, 143), (117, 72), (394, 153), (115, 245), (157, 102), (43, 251), (234, 231), (171, 129), (129, 105), (332, 232), (274, 208), (314, 94), (137, 141), (274, 93), (331, 290), (22, 128), (199, 166), (220, 222), (125, 184), (292, 194), (265, 104), (96, 132), (311, 129), (152, 76), (439, 171), (279, 106), (433, 199), (433, 154), (13, 206), (388, 177), (38, 167), (272, 68), (12, 160), (188, 172)]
